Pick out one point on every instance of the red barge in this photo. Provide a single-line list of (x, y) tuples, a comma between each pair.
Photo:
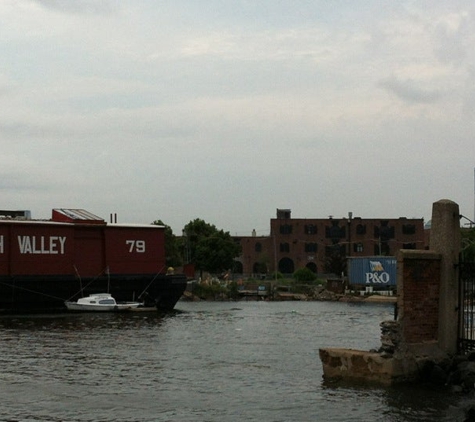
[(44, 263)]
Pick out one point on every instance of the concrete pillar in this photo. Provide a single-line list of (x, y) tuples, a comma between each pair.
[(445, 239)]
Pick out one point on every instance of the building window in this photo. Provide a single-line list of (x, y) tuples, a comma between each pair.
[(335, 232), (310, 247), (382, 249), (408, 229), (384, 232), (284, 247), (286, 266), (409, 246), (310, 229), (258, 247), (285, 229), (357, 247), (361, 229)]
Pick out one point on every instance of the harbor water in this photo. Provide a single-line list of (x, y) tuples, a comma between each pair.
[(208, 361)]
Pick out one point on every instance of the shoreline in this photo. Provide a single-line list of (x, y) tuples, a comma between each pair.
[(382, 299), (325, 296)]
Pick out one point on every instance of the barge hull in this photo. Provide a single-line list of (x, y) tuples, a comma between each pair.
[(28, 294), (46, 262)]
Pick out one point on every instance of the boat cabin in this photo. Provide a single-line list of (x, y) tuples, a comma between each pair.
[(98, 299)]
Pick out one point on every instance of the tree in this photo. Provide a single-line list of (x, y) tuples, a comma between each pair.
[(208, 248), (193, 233), (335, 263), (172, 246)]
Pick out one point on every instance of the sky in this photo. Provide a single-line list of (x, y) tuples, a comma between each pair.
[(227, 110)]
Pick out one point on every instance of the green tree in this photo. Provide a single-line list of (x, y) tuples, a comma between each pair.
[(305, 275), (172, 246), (208, 248), (335, 263)]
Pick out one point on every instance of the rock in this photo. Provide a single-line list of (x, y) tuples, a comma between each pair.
[(390, 336), (463, 375), (457, 360)]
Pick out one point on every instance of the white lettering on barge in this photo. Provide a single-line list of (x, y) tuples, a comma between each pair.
[(52, 245), (136, 246)]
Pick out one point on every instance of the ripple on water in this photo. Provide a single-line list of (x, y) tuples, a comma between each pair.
[(209, 361)]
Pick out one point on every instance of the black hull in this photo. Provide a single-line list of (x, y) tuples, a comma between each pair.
[(28, 294)]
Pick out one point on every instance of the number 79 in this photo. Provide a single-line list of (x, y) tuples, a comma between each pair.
[(136, 246)]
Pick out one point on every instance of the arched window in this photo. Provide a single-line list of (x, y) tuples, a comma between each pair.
[(312, 267), (361, 229), (286, 266), (259, 268), (310, 229), (237, 267)]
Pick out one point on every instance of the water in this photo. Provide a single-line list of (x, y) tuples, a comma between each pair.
[(248, 361)]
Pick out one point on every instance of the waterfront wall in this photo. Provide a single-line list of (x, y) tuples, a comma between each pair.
[(427, 317), (418, 295)]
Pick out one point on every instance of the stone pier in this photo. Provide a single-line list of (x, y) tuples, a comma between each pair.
[(426, 327)]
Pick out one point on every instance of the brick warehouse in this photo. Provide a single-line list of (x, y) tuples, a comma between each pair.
[(295, 243)]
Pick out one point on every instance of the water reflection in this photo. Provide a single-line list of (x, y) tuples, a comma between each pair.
[(83, 321)]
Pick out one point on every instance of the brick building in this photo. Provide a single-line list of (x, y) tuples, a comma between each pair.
[(295, 243)]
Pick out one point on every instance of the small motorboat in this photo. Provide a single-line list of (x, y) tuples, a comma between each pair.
[(100, 302)]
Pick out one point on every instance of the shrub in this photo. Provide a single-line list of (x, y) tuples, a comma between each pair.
[(277, 275), (305, 275), (209, 292)]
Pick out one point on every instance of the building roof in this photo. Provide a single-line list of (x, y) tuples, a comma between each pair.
[(75, 215)]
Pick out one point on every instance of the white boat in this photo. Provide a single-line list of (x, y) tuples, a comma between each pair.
[(100, 302)]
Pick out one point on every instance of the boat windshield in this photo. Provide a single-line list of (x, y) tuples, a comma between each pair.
[(107, 302)]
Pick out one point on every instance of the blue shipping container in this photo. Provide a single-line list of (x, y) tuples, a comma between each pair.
[(373, 271)]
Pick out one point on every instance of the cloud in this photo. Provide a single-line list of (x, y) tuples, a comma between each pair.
[(178, 110), (410, 90), (80, 6), (271, 45), (454, 37)]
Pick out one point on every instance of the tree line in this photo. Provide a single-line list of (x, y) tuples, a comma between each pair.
[(213, 250), (202, 244)]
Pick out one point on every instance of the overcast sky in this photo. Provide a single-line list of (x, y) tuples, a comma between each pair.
[(226, 110)]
